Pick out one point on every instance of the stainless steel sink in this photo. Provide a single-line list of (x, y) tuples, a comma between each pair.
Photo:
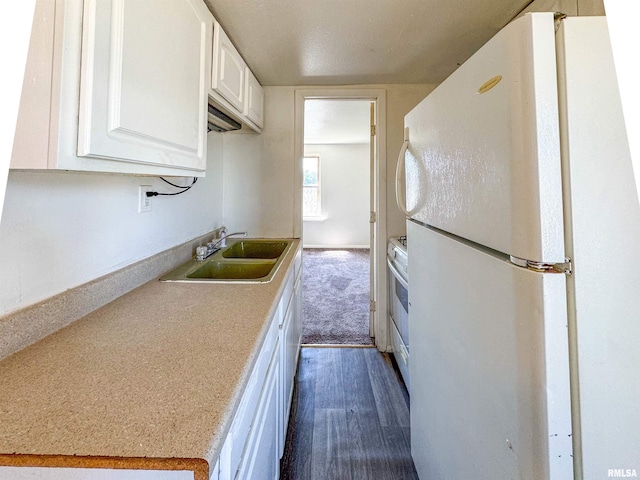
[(245, 261)]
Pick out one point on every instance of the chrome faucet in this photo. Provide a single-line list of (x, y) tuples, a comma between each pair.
[(222, 241), (202, 253)]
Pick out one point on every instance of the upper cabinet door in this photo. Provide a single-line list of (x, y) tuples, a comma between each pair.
[(254, 108), (144, 77), (229, 69)]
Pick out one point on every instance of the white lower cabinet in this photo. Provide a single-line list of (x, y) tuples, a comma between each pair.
[(236, 443), (255, 442), (261, 459), (297, 320), (286, 335), (290, 333)]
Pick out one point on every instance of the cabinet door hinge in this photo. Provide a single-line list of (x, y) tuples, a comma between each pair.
[(372, 217), (372, 305), (373, 130)]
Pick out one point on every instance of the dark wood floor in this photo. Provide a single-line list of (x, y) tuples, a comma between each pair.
[(349, 418)]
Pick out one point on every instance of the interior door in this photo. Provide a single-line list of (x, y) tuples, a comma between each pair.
[(489, 364), (373, 219)]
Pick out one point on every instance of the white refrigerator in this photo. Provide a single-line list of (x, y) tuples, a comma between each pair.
[(523, 241)]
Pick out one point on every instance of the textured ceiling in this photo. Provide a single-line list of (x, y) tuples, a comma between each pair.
[(343, 42)]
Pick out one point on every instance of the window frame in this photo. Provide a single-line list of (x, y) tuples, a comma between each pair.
[(317, 187)]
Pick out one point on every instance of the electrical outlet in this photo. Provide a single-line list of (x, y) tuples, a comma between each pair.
[(144, 202)]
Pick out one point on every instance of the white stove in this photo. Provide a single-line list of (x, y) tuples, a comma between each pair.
[(398, 263), (397, 255)]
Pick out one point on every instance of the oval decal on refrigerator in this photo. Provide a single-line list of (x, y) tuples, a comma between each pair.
[(489, 84)]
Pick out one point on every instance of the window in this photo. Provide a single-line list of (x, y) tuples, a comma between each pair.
[(311, 187)]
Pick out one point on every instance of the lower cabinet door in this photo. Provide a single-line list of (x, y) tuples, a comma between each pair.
[(297, 320), (261, 460), (286, 376)]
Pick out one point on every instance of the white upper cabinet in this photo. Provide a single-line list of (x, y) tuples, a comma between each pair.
[(229, 70), (116, 86), (234, 87), (254, 105), (143, 92)]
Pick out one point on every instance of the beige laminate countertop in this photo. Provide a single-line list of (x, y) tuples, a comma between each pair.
[(150, 380)]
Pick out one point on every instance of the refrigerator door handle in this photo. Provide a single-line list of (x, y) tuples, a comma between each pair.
[(565, 267), (399, 170)]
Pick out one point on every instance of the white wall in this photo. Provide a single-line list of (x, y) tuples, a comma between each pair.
[(258, 172), (344, 171), (60, 230), (259, 169)]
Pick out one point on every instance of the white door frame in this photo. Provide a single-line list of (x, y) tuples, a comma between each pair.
[(379, 246)]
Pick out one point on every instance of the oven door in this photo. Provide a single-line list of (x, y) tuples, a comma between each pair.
[(399, 314)]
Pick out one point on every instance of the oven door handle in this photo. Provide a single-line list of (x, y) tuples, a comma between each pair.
[(397, 274)]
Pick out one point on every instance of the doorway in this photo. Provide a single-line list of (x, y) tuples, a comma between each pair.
[(338, 190)]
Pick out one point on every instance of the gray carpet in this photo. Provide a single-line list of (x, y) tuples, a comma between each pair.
[(335, 291)]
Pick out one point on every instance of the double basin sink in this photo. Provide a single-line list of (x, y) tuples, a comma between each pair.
[(244, 261)]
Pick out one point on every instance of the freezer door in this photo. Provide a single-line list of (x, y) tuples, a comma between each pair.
[(484, 156), (489, 365)]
